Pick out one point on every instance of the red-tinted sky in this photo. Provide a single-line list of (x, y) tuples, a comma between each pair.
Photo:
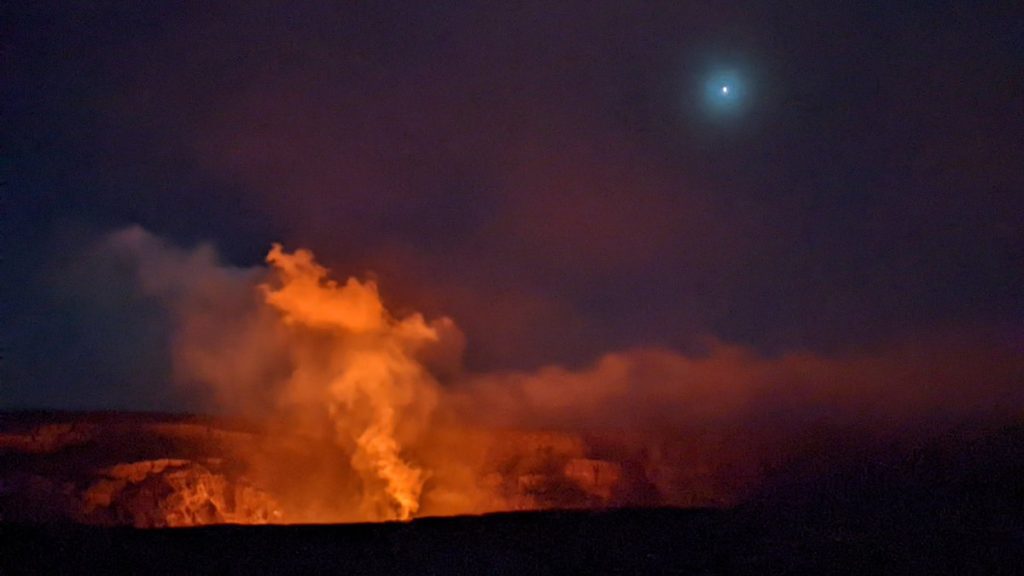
[(548, 175)]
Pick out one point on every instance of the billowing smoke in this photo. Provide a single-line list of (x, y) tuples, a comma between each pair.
[(289, 344), (362, 364), (370, 416), (904, 385)]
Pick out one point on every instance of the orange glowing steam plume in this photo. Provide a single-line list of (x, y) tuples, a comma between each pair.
[(367, 376), (347, 393)]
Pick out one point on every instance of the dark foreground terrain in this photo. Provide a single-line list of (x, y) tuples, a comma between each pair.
[(653, 541)]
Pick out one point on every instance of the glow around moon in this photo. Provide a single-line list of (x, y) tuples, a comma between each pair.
[(725, 93)]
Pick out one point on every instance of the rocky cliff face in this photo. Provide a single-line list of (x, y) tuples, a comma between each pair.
[(173, 492), (113, 469), (153, 471)]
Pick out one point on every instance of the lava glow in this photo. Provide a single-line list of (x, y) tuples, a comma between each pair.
[(366, 375), (367, 415)]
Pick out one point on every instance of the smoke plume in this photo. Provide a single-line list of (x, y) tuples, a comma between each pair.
[(370, 415)]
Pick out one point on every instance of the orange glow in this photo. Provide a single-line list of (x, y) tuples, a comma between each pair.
[(356, 424), (364, 372)]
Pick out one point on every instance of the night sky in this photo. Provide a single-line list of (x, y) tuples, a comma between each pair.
[(564, 179)]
